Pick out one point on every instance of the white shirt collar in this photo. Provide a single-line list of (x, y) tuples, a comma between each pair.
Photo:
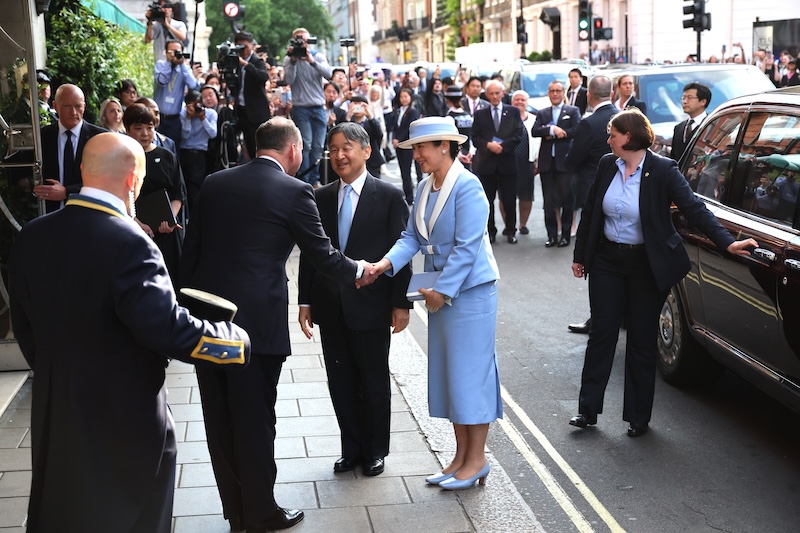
[(275, 161), (357, 185), (602, 104), (76, 131), (104, 196), (699, 119)]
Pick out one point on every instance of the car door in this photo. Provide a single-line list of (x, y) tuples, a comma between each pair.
[(738, 293)]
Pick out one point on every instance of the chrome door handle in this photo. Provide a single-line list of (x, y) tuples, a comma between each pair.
[(793, 264), (765, 254)]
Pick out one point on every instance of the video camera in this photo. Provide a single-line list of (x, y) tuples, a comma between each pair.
[(228, 62), (298, 46), (157, 13), (182, 55)]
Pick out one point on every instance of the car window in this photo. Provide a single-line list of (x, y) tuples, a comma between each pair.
[(769, 162), (707, 166), (536, 82)]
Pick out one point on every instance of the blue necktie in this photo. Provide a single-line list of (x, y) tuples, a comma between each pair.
[(345, 217)]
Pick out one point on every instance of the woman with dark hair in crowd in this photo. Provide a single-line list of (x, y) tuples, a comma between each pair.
[(126, 93), (401, 121)]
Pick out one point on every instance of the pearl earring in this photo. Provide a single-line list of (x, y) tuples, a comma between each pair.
[(444, 151)]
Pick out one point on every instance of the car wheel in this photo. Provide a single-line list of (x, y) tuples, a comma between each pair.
[(681, 359)]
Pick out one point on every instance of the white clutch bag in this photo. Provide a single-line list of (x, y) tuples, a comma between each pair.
[(423, 280)]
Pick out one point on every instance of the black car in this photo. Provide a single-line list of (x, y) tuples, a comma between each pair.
[(743, 312)]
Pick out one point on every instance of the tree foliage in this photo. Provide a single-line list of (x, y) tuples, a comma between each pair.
[(272, 21), (93, 54)]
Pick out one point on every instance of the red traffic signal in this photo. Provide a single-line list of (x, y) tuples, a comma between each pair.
[(232, 10), (598, 23)]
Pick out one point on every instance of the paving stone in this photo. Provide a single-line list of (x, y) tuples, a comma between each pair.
[(196, 396), (296, 495), (15, 459), (193, 452), (307, 426), (289, 447), (197, 475), (26, 442), (307, 349), (404, 422), (12, 437), (285, 377), (419, 517), (187, 412), (399, 403), (204, 523), (181, 380), (422, 492), (304, 375), (16, 418), (195, 431), (328, 445), (288, 391), (316, 406), (179, 367), (193, 501), (409, 464), (285, 408), (407, 441), (13, 511), (341, 520), (178, 395), (309, 469), (15, 484), (300, 360), (180, 431), (377, 490)]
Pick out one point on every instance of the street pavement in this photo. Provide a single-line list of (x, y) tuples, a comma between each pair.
[(306, 447)]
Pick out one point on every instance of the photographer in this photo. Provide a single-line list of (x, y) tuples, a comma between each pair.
[(219, 157), (198, 125), (162, 27), (252, 106), (172, 77), (304, 70)]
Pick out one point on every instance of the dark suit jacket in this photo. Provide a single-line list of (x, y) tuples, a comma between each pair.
[(633, 102), (466, 104), (244, 224), (568, 120), (678, 144), (379, 219), (255, 95), (662, 184), (98, 337), (511, 131), (373, 129), (50, 162), (400, 131), (590, 143), (581, 101)]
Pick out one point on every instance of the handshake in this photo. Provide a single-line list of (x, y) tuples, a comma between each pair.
[(371, 271)]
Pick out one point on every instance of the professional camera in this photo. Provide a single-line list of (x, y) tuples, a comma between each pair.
[(228, 63), (182, 55), (299, 46), (156, 12)]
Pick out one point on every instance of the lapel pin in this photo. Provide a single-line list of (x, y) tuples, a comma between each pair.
[(646, 174)]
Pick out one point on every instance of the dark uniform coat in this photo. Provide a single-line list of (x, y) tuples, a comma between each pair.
[(96, 318)]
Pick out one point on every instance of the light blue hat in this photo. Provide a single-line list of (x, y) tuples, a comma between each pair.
[(433, 129)]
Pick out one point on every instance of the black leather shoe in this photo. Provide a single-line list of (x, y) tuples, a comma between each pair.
[(505, 231), (637, 430), (551, 242), (492, 237), (511, 239), (523, 230), (564, 242), (373, 467), (582, 420), (281, 519), (580, 328), (344, 465)]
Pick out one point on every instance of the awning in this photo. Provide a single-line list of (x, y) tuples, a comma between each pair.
[(108, 11)]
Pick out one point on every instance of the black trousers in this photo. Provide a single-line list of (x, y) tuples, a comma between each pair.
[(248, 130), (239, 413), (357, 363), (193, 164), (506, 185), (171, 127), (404, 160), (557, 192), (621, 281)]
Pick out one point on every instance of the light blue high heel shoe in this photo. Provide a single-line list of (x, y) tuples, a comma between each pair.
[(458, 484), (438, 478)]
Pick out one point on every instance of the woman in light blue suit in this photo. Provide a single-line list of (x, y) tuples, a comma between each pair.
[(448, 225)]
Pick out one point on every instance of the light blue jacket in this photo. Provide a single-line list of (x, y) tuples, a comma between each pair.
[(458, 244)]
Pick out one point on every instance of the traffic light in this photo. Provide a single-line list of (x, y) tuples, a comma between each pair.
[(522, 36), (598, 32), (700, 19), (584, 16), (232, 10)]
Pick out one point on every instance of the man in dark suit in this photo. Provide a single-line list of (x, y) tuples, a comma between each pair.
[(696, 98), (588, 146), (496, 132), (252, 106), (96, 318), (576, 94), (625, 96), (556, 126), (364, 217), (472, 101), (61, 168), (253, 215)]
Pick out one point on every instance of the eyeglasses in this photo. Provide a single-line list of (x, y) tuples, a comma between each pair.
[(556, 91), (690, 97)]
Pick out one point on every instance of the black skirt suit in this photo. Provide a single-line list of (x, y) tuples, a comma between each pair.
[(635, 281)]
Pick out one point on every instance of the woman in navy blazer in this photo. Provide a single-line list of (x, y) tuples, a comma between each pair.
[(632, 254), (402, 118), (448, 225)]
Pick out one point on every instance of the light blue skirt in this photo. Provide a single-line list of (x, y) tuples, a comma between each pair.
[(463, 381)]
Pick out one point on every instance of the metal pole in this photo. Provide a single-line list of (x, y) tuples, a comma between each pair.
[(698, 46)]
